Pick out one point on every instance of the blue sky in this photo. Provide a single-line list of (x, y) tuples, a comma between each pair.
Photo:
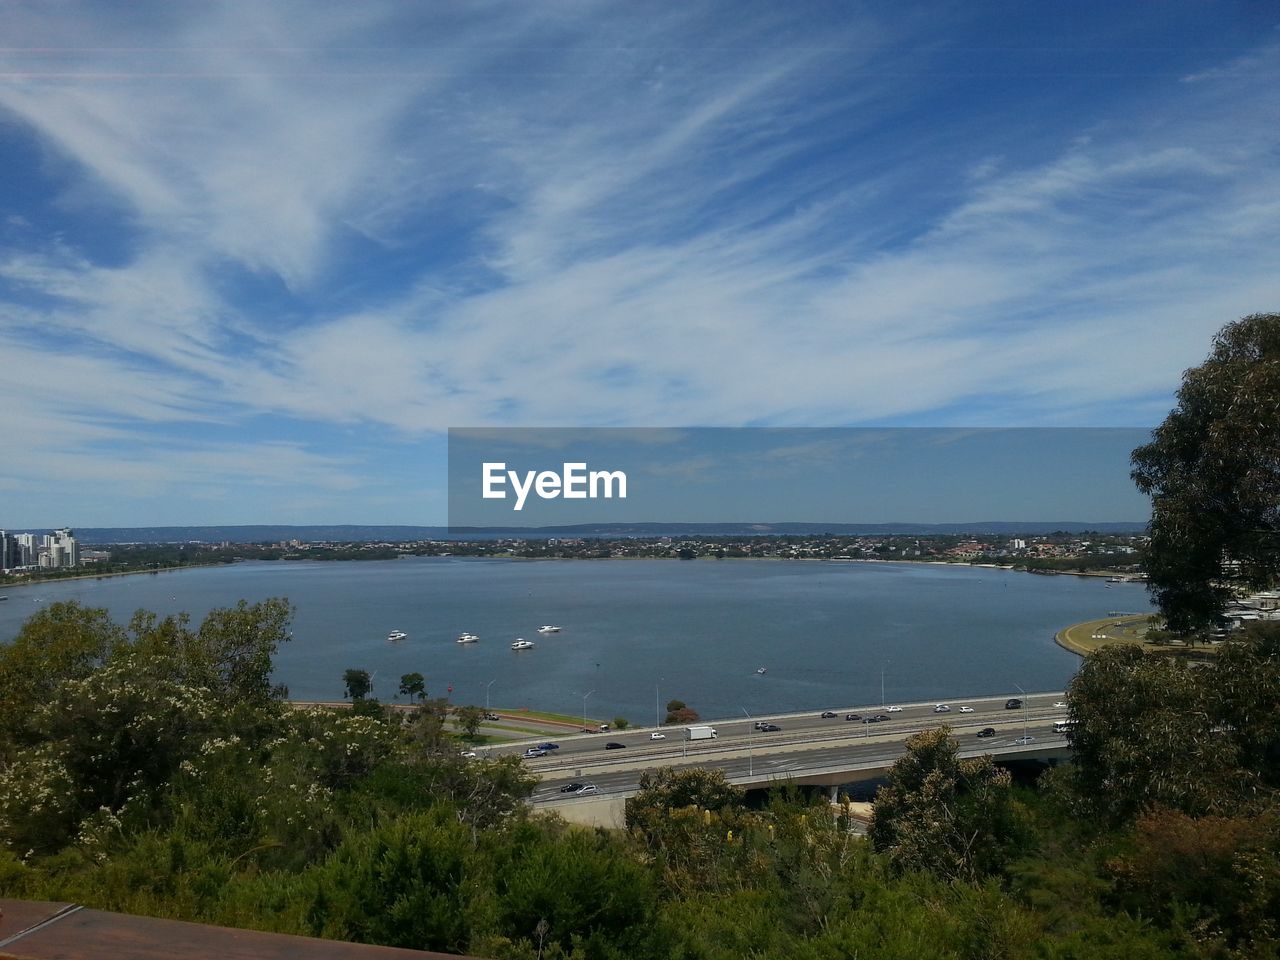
[(256, 257)]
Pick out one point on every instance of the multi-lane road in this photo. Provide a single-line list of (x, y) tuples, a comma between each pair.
[(807, 748)]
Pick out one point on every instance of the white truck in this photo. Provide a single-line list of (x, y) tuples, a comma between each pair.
[(701, 732)]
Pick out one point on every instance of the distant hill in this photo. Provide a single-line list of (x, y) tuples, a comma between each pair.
[(275, 533)]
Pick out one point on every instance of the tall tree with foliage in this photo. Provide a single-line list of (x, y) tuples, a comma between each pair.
[(1212, 471), (413, 686), (356, 684), (939, 813)]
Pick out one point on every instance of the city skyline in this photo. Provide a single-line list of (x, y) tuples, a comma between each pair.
[(256, 258)]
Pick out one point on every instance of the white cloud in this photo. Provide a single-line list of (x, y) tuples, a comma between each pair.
[(533, 215)]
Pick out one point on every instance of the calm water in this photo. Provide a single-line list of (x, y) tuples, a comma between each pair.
[(694, 630)]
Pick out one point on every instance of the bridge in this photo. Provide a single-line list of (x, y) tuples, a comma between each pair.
[(808, 749)]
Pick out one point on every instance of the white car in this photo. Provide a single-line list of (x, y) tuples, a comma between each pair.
[(657, 736), (966, 709), (470, 755), (894, 709), (1060, 705), (942, 708), (1023, 741), (586, 788)]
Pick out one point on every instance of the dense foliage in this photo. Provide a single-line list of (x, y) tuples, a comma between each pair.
[(1212, 470), (154, 769)]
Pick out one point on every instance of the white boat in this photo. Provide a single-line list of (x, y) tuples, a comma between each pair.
[(760, 670), (396, 635), (468, 638), (522, 644), (548, 628)]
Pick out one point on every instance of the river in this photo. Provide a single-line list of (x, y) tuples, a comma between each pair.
[(639, 631)]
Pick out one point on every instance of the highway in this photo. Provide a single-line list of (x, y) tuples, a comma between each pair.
[(806, 748)]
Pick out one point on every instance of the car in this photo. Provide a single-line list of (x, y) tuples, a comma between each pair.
[(966, 709), (986, 732), (534, 752), (770, 728), (657, 736), (1023, 741), (828, 715), (492, 716), (469, 755), (882, 717), (586, 788), (895, 709), (942, 708), (853, 716), (872, 719), (548, 746), (1013, 703), (615, 745), (759, 724), (1060, 705), (572, 787)]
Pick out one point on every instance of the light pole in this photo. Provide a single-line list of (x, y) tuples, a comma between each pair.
[(751, 753), (486, 693), (882, 666), (1025, 708), (657, 711), (584, 708)]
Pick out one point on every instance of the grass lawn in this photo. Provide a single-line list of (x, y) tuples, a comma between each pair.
[(1085, 638)]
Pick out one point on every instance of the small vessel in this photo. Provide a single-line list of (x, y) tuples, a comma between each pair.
[(468, 638), (522, 644), (395, 636), (760, 670), (548, 628)]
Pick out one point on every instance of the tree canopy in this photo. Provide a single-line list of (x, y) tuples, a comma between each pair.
[(1212, 471)]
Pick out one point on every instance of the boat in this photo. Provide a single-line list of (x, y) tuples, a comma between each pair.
[(522, 644), (760, 670), (468, 638), (396, 635), (548, 628)]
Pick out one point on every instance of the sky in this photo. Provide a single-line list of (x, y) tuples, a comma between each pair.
[(256, 258)]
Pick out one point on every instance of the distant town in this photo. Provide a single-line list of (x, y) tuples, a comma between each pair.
[(33, 556)]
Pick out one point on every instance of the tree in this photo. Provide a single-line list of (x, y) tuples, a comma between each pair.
[(665, 789), (1145, 734), (951, 817), (413, 685), (469, 719), (356, 684), (621, 723), (1212, 471)]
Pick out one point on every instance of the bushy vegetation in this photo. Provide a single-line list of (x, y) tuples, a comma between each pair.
[(154, 769)]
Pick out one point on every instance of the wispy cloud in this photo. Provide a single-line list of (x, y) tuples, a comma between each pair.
[(303, 226)]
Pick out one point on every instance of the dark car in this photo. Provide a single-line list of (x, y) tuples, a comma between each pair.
[(615, 745), (1013, 703), (770, 728), (828, 715), (883, 717), (571, 787), (548, 746), (873, 719), (853, 716), (987, 732)]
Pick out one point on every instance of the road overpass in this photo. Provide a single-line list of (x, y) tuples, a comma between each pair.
[(808, 749)]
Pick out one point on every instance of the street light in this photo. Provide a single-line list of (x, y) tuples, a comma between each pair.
[(751, 753), (882, 666), (584, 708), (486, 693), (1025, 708)]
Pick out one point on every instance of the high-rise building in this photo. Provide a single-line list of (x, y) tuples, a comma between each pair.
[(10, 551), (65, 539), (30, 549)]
